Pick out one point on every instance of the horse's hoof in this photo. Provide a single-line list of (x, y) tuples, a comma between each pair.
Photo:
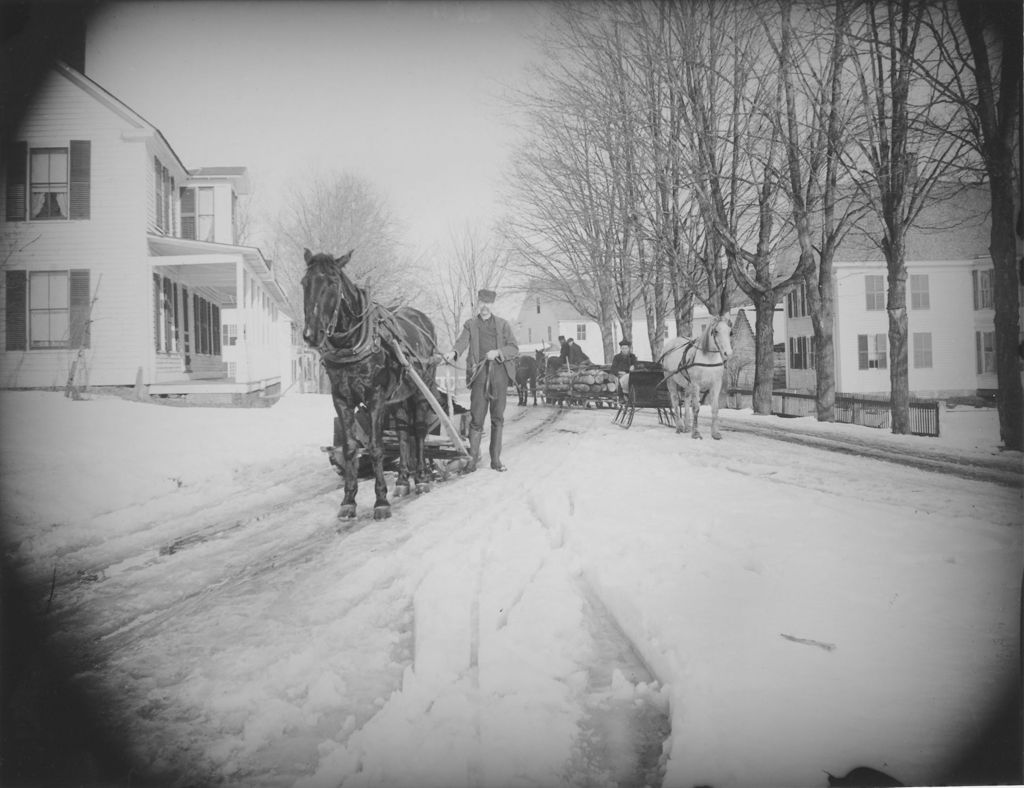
[(347, 511), (401, 490), (716, 435), (697, 436), (422, 487), (381, 512)]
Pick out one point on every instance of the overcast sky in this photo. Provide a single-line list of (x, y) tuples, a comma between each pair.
[(410, 95)]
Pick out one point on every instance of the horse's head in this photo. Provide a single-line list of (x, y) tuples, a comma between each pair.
[(718, 337), (323, 293)]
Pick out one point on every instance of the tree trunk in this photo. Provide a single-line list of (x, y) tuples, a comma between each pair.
[(1006, 301), (899, 381), (764, 355), (823, 320)]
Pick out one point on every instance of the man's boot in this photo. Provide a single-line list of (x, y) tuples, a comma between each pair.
[(496, 447), (475, 436)]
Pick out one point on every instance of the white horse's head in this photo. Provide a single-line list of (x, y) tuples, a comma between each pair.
[(718, 337)]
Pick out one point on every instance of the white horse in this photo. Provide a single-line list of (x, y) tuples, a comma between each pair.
[(692, 366)]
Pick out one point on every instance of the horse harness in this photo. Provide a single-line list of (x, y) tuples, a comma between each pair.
[(685, 366), (374, 324)]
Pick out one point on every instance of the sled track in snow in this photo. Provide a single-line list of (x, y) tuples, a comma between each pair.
[(283, 549)]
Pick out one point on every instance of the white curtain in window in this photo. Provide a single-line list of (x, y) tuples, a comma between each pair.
[(38, 199), (62, 203)]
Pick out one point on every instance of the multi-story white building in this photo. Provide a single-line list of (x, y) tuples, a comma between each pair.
[(949, 310), (119, 259)]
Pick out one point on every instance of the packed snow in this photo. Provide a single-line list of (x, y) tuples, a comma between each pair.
[(623, 607)]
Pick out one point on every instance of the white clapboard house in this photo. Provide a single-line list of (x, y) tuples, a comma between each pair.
[(950, 342), (120, 263)]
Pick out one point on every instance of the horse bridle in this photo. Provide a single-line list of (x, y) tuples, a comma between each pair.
[(327, 332)]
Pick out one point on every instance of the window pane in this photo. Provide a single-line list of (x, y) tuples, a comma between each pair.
[(59, 332), (59, 291), (205, 200), (58, 167)]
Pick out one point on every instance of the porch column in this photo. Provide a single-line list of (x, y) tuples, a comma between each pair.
[(242, 318)]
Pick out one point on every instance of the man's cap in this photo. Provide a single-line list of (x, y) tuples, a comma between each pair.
[(624, 342), (486, 296), (561, 338)]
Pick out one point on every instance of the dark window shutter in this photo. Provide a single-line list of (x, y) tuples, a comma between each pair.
[(17, 180), (157, 194), (80, 308), (81, 173), (168, 295), (215, 310), (17, 307), (184, 321), (156, 312), (197, 316), (862, 351), (188, 212)]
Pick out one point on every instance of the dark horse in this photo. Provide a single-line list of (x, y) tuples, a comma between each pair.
[(364, 348), (527, 371)]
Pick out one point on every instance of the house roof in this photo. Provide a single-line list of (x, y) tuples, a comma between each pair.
[(954, 226), (239, 176), (115, 104), (218, 277)]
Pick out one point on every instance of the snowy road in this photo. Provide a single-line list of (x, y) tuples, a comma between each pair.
[(554, 625)]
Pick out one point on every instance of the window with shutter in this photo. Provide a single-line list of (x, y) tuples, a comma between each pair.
[(919, 297), (80, 308), (17, 309), (81, 173), (874, 290), (49, 317), (17, 177), (922, 351), (48, 180)]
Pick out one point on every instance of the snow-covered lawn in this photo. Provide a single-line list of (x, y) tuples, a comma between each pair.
[(770, 610)]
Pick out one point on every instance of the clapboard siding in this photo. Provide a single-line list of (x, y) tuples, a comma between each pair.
[(949, 319), (111, 244)]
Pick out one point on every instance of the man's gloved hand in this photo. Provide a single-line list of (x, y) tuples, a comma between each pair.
[(494, 355), (449, 357)]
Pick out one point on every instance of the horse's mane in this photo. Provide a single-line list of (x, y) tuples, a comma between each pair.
[(705, 338)]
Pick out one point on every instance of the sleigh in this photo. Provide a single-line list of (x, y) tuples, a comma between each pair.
[(439, 447)]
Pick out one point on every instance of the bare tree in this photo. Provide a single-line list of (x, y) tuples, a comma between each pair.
[(814, 119), (573, 185), (333, 213), (901, 155), (981, 46), (476, 260), (732, 151)]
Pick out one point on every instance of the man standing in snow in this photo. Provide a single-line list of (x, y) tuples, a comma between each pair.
[(490, 368)]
